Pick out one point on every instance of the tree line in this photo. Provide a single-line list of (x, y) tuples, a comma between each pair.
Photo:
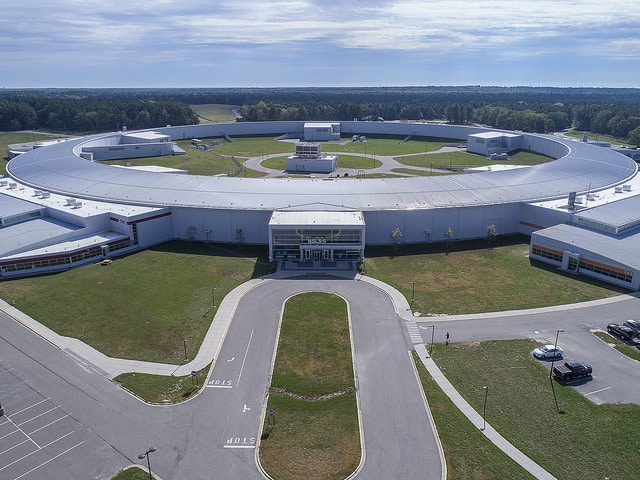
[(607, 111), (91, 114)]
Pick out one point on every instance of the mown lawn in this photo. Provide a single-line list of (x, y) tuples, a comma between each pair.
[(314, 435), (584, 440)]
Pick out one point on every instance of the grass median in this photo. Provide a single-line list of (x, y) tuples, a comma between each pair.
[(314, 432)]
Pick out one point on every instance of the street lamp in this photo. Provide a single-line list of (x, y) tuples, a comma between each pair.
[(213, 296), (433, 329), (484, 408), (146, 454), (553, 359), (555, 347), (413, 292)]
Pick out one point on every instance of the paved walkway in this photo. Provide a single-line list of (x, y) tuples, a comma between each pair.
[(224, 313)]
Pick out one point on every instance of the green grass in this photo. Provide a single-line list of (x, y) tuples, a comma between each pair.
[(161, 389), (142, 306), (472, 278), (585, 440), (214, 112), (312, 437), (598, 137), (469, 455), (132, 473)]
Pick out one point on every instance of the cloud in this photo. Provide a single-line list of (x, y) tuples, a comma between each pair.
[(115, 34)]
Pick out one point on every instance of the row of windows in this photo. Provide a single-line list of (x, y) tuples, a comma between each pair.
[(52, 262), (583, 265), (625, 277), (297, 237), (547, 254), (21, 217)]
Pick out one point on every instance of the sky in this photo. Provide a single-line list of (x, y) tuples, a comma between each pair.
[(252, 43)]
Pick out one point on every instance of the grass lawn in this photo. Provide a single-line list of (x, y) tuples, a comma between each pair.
[(584, 441), (161, 389), (133, 473), (215, 112), (472, 278), (469, 455), (142, 306), (313, 435)]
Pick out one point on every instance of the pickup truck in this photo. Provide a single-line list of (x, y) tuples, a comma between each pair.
[(570, 370)]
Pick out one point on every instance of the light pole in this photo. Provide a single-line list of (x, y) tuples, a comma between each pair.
[(413, 293), (146, 454), (484, 408), (555, 347), (433, 329), (213, 296), (185, 350), (553, 359)]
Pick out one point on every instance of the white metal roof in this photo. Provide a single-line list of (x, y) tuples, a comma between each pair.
[(320, 218), (583, 168)]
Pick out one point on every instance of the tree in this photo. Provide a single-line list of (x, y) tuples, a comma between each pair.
[(396, 238), (491, 234), (448, 235)]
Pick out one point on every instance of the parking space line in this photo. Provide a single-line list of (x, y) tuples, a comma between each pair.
[(38, 416), (5, 436), (23, 432), (50, 460), (31, 406), (598, 391), (48, 424), (11, 448)]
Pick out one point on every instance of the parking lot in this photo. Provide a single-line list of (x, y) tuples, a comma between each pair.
[(38, 438)]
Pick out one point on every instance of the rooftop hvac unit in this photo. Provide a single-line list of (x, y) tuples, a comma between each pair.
[(618, 189), (77, 205), (3, 183), (12, 185), (37, 193), (591, 197), (45, 195), (626, 187), (71, 201)]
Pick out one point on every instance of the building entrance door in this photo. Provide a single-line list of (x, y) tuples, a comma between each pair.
[(316, 254)]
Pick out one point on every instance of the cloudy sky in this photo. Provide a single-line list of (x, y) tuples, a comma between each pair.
[(245, 43)]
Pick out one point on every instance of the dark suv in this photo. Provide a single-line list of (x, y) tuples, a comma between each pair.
[(621, 331), (634, 324)]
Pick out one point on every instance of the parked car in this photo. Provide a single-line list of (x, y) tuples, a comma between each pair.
[(570, 370), (621, 331), (548, 351), (635, 324)]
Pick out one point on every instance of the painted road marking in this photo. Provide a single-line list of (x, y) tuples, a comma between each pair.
[(598, 391), (414, 332), (217, 383), (240, 442)]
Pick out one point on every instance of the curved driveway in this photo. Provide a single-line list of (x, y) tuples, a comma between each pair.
[(218, 430)]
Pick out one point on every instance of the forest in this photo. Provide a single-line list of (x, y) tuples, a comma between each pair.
[(607, 111)]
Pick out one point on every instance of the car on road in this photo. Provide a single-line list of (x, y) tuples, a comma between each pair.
[(621, 331), (548, 351), (635, 324)]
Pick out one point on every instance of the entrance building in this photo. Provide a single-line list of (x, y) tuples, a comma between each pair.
[(316, 236)]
